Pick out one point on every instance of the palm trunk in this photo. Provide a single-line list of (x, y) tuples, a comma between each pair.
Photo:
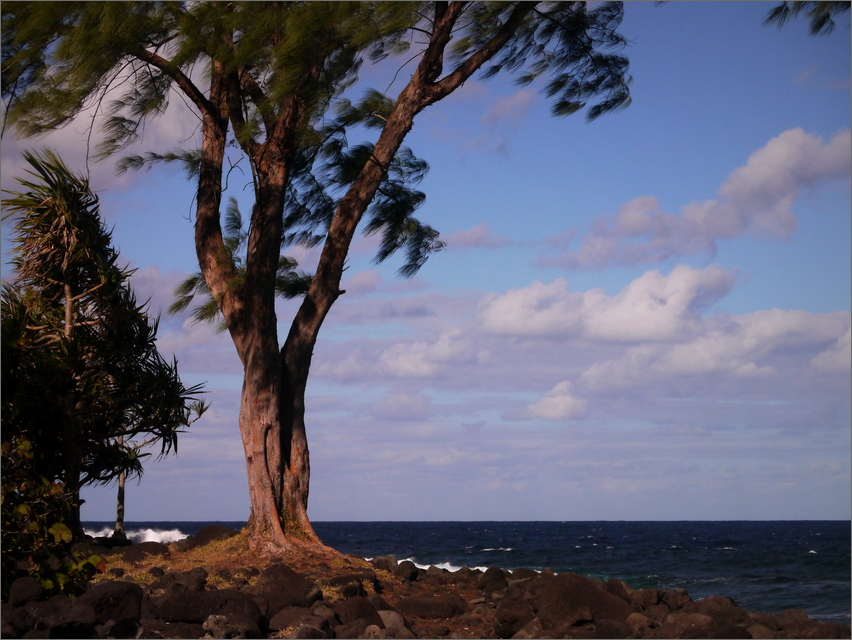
[(119, 509)]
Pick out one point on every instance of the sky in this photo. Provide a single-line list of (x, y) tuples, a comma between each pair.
[(645, 317)]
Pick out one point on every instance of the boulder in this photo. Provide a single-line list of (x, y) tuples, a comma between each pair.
[(393, 619), (307, 632), (510, 617), (37, 611), (213, 533), (494, 579), (612, 629), (138, 552), (282, 587), (531, 629), (760, 632), (75, 621), (789, 616), (676, 624), (617, 588), (385, 563), (154, 628), (646, 597), (462, 576), (120, 602), (357, 608), (406, 570), (24, 590), (219, 626), (354, 629), (432, 607), (187, 606), (14, 621), (523, 574), (290, 617), (560, 597)]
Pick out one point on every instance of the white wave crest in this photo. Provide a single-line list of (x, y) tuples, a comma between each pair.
[(166, 536)]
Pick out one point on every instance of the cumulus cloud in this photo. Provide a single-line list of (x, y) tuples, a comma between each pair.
[(838, 357), (653, 307), (422, 359), (755, 198), (559, 404), (479, 236), (749, 345)]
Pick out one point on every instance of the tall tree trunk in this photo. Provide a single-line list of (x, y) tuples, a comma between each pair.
[(119, 509), (422, 90)]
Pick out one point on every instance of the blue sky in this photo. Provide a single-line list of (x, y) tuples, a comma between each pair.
[(646, 317)]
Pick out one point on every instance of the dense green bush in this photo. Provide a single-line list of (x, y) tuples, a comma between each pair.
[(33, 529)]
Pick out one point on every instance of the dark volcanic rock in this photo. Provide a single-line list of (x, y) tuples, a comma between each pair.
[(153, 628), (463, 575), (646, 597), (559, 597), (510, 617), (432, 607), (617, 588), (407, 570), (357, 608), (385, 563), (231, 626), (24, 590), (291, 617), (213, 533), (282, 587), (494, 579), (612, 629), (188, 606), (138, 552), (521, 574), (120, 602)]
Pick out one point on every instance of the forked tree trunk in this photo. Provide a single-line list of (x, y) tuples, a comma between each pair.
[(272, 408)]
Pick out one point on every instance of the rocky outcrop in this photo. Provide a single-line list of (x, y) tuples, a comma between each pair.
[(408, 602)]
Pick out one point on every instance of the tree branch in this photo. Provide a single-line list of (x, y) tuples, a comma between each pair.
[(182, 80), (467, 68)]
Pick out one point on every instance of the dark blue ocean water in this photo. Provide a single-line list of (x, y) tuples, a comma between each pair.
[(764, 566)]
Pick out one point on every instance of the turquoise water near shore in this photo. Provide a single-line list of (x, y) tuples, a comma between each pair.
[(763, 566)]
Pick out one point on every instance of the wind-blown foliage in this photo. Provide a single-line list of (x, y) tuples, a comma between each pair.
[(821, 14), (80, 364)]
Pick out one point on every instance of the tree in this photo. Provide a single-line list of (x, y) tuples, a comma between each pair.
[(821, 14), (81, 372), (275, 71)]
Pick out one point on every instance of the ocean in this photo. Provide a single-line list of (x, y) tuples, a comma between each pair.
[(763, 566)]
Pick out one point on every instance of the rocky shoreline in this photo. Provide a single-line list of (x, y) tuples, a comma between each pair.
[(356, 599)]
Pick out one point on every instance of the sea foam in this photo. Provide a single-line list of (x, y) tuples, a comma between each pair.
[(166, 536)]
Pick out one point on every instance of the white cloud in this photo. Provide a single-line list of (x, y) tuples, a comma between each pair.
[(559, 404), (757, 197), (749, 345), (422, 359), (653, 307), (509, 109), (478, 236), (363, 282), (838, 357)]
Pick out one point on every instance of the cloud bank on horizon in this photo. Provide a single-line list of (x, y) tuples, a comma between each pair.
[(642, 318)]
